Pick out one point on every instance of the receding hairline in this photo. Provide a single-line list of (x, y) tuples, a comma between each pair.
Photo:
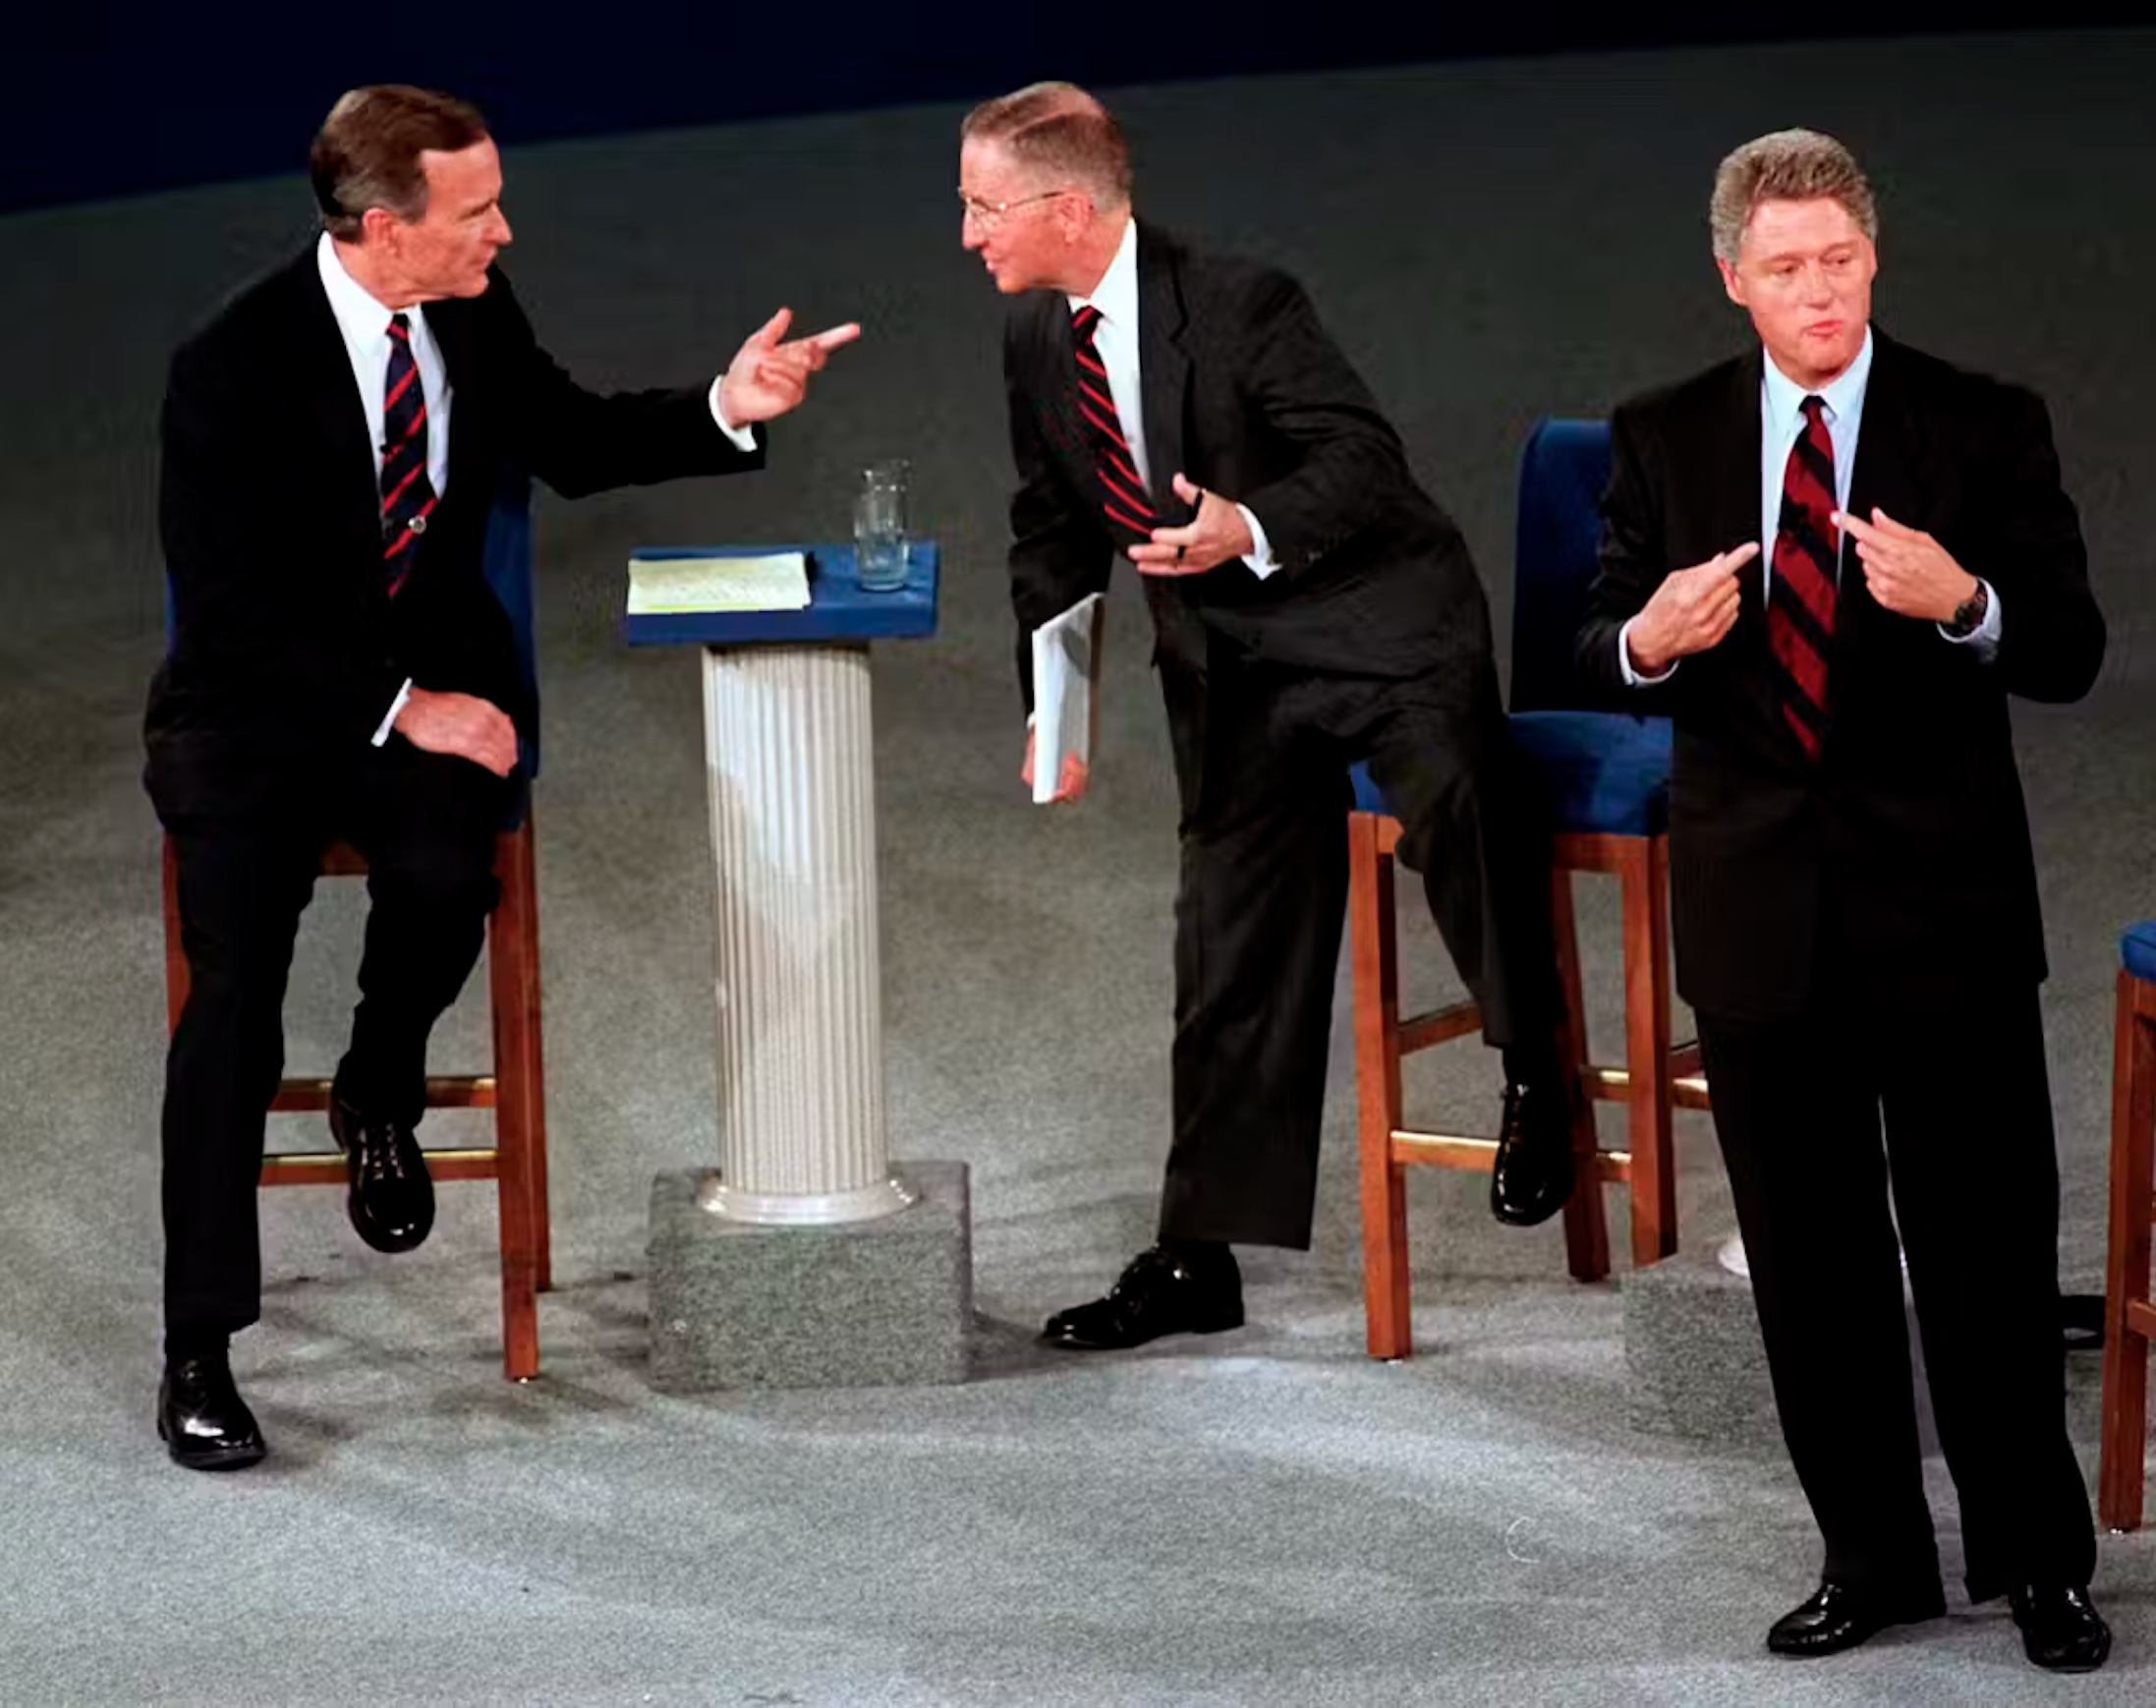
[(1055, 128)]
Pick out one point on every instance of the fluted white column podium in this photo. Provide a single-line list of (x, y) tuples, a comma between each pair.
[(806, 1258), (789, 755)]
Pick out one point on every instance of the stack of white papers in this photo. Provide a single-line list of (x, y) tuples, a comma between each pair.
[(1065, 655), (679, 586)]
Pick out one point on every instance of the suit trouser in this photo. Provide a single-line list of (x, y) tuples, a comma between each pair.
[(1262, 754), (248, 859), (1968, 1161)]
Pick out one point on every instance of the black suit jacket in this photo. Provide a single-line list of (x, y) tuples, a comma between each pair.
[(1906, 847), (284, 642), (1245, 394)]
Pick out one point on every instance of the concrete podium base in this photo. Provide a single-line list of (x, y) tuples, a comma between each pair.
[(857, 1305)]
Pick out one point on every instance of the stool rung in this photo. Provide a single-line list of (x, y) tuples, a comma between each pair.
[(326, 1168), (1439, 1026), (2141, 1318), (1614, 1084), (461, 1091), (1457, 1150)]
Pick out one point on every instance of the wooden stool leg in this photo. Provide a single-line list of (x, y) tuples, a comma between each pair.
[(176, 967), (534, 1069), (2127, 1280), (1374, 985), (1587, 1225), (509, 950), (1644, 878)]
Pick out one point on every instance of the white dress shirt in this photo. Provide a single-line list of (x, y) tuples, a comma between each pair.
[(1115, 340), (364, 321), (1781, 425)]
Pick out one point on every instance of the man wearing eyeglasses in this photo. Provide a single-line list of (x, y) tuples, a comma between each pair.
[(1312, 608)]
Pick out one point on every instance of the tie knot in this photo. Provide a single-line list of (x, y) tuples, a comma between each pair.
[(1083, 320), (400, 328), (1814, 407)]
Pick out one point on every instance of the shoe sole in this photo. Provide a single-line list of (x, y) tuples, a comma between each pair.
[(1071, 1344)]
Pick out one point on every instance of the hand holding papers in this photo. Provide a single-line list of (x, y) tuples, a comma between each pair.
[(1066, 653), (667, 586)]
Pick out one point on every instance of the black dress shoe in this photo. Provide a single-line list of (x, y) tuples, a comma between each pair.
[(1533, 1175), (2061, 1629), (1840, 1616), (391, 1200), (201, 1419), (1162, 1291)]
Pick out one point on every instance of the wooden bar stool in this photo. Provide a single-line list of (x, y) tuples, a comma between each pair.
[(1603, 780), (516, 1089), (2129, 1320)]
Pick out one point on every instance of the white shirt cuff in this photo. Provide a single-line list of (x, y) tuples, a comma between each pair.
[(1260, 555), (1985, 635), (1632, 678), (382, 735), (743, 438)]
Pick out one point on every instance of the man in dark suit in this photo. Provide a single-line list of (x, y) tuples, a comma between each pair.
[(333, 442), (1312, 608), (1854, 896)]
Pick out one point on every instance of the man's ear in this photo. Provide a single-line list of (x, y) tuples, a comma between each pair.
[(1731, 284), (376, 226)]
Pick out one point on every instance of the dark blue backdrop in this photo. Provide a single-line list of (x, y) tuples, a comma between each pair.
[(108, 97)]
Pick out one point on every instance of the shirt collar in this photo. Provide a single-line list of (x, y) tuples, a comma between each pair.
[(358, 313), (1116, 295), (1844, 396)]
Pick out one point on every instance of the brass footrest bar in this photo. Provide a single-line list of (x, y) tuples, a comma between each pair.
[(1454, 1151), (470, 1091), (326, 1168), (1614, 1084)]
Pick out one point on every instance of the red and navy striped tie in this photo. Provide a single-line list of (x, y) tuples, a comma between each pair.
[(1124, 499), (1800, 600), (408, 494)]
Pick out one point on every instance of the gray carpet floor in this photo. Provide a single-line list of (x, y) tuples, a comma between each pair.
[(1261, 1518)]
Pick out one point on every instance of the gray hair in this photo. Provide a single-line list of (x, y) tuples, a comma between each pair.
[(1786, 166), (1061, 131)]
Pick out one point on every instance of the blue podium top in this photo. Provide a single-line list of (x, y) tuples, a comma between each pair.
[(839, 610)]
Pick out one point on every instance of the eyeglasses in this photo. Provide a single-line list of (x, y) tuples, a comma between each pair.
[(986, 213)]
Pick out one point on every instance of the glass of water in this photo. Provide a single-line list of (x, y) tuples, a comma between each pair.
[(880, 527)]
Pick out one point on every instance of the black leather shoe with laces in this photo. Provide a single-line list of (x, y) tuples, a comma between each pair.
[(391, 1200), (1532, 1178), (2061, 1629), (1840, 1616), (201, 1419), (1163, 1290)]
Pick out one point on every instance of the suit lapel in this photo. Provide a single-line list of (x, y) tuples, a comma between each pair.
[(1889, 476), (1737, 493), (450, 322), (322, 370), (1163, 370), (1055, 385)]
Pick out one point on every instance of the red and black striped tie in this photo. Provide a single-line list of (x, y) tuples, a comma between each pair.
[(408, 494), (1800, 602), (1123, 500)]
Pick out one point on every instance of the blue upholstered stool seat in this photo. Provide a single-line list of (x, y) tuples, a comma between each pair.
[(1596, 771), (2137, 949)]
